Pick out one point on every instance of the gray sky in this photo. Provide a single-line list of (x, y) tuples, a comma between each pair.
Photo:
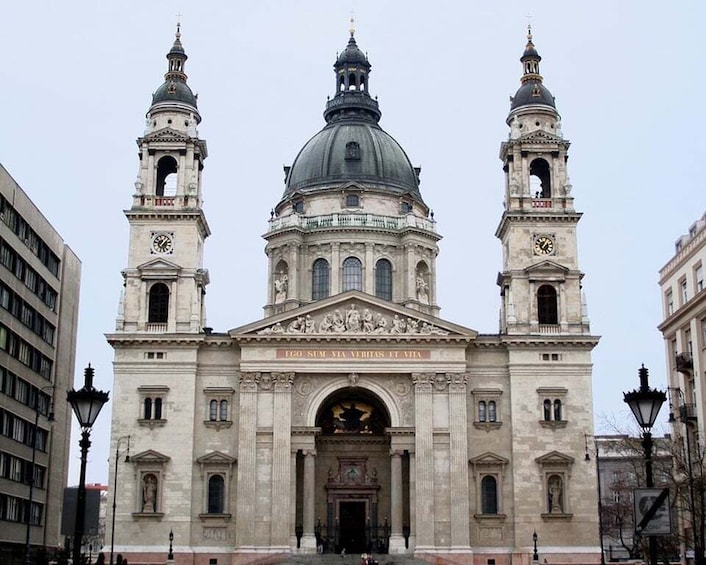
[(628, 77)]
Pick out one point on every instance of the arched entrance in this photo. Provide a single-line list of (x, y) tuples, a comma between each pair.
[(353, 473)]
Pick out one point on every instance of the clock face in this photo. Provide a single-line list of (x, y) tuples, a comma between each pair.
[(543, 245), (162, 243)]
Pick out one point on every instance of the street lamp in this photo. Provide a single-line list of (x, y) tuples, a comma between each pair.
[(86, 404), (50, 417), (170, 555), (115, 489), (645, 404), (535, 555)]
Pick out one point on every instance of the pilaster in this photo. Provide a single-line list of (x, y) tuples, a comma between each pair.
[(424, 448)]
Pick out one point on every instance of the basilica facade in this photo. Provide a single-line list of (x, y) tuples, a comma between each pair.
[(352, 416)]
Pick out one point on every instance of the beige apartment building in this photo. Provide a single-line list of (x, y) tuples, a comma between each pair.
[(353, 416), (684, 330), (39, 295)]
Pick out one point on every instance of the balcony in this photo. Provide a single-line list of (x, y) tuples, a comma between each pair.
[(542, 203), (687, 413), (684, 363), (351, 220)]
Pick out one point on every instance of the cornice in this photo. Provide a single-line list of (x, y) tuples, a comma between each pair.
[(356, 338), (537, 341), (152, 339)]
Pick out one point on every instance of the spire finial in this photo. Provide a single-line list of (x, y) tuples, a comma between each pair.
[(178, 31), (351, 29)]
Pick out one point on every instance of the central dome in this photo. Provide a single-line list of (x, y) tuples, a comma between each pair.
[(351, 150), (352, 147)]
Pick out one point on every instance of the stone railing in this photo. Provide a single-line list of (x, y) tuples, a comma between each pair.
[(347, 220)]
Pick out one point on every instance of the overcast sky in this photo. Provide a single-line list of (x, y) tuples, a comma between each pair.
[(628, 77)]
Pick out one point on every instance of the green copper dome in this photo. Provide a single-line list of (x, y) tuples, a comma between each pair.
[(352, 147)]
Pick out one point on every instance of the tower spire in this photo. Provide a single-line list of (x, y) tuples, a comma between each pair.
[(530, 60)]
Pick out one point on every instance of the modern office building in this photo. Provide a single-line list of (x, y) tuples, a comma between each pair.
[(353, 416), (39, 295)]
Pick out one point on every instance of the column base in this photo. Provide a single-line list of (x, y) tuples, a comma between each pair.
[(308, 544), (397, 544)]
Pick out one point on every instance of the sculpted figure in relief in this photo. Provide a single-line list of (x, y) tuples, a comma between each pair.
[(353, 319)]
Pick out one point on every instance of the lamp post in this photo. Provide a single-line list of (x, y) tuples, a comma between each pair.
[(535, 555), (50, 417), (645, 404), (170, 555), (115, 489), (86, 403)]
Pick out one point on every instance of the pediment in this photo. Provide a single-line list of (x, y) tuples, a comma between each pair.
[(546, 267), (540, 136), (160, 266), (488, 458), (353, 314), (150, 456), (555, 458), (167, 135), (216, 458)]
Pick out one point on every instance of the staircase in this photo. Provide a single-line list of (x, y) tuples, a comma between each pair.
[(334, 559)]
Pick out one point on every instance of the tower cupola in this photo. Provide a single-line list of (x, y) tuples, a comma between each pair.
[(532, 92), (175, 93)]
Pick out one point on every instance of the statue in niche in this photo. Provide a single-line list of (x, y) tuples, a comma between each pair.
[(149, 493), (422, 290), (281, 286), (555, 502)]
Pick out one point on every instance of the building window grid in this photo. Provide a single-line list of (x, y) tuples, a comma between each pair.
[(28, 236), (38, 285), (15, 305)]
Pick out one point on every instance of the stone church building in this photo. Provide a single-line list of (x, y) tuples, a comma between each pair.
[(352, 416)]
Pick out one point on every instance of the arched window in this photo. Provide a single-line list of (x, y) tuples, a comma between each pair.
[(492, 413), (352, 274), (166, 176), (482, 411), (557, 410), (216, 494), (224, 411), (147, 412), (320, 280), (489, 495), (157, 408), (383, 279), (547, 311), (158, 304), (540, 179), (547, 410), (351, 82), (213, 410)]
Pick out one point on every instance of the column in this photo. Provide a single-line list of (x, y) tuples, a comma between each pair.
[(424, 466), (335, 269), (247, 463), (281, 459), (396, 537), (412, 502), (292, 499), (458, 463), (369, 270), (308, 544)]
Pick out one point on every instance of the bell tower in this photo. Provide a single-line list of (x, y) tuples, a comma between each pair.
[(165, 281), (541, 282)]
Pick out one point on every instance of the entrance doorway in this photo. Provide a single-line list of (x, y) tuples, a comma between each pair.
[(352, 526)]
